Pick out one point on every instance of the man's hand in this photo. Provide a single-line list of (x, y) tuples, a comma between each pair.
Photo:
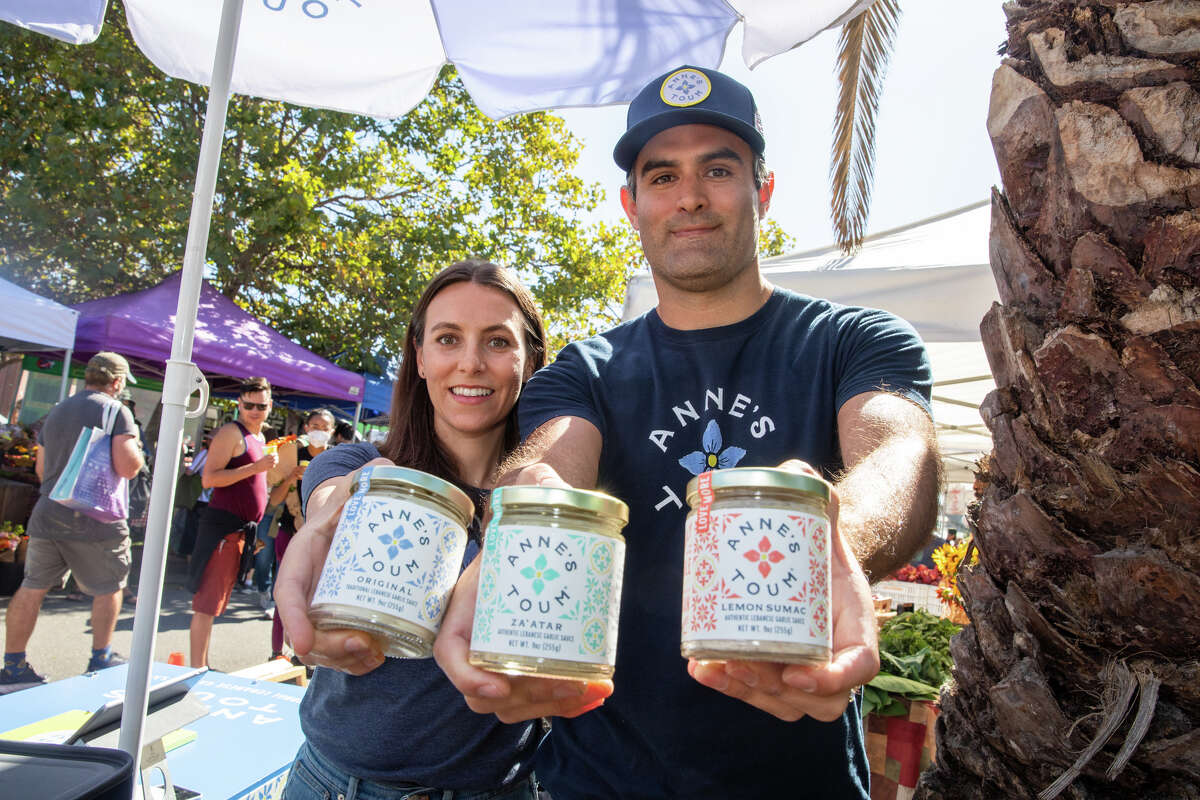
[(268, 461), (511, 698), (792, 691), (347, 650)]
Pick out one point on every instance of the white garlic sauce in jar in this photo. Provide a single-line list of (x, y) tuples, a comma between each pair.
[(550, 583), (394, 559), (756, 567)]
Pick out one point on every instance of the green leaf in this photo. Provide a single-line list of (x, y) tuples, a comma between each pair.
[(894, 708), (873, 699), (910, 689)]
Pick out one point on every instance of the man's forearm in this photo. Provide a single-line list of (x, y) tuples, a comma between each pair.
[(889, 503), (565, 449)]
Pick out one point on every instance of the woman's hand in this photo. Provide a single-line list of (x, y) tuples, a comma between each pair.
[(347, 650)]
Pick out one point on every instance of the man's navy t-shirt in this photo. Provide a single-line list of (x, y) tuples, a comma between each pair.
[(750, 394)]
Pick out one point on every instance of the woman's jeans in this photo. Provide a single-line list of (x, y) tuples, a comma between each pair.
[(312, 777)]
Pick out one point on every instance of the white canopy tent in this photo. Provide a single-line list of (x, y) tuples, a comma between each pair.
[(933, 273), (33, 322)]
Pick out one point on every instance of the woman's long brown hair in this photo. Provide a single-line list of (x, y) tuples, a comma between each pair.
[(411, 440)]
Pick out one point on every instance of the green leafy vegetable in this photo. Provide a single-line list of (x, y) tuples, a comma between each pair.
[(914, 656)]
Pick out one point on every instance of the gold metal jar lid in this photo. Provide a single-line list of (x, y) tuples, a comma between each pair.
[(762, 478), (403, 477), (577, 499)]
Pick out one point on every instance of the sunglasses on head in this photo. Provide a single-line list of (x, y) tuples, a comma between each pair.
[(246, 404)]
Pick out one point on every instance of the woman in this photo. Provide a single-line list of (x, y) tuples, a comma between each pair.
[(401, 729)]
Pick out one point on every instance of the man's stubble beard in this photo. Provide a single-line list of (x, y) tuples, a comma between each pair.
[(699, 269)]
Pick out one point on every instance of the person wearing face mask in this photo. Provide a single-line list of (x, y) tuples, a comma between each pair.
[(293, 459)]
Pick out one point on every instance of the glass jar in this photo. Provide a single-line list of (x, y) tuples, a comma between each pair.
[(394, 559), (756, 567), (550, 583)]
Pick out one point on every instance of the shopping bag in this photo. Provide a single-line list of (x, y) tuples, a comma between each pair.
[(88, 484)]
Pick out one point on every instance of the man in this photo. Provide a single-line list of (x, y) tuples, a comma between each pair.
[(235, 470), (61, 539), (784, 380)]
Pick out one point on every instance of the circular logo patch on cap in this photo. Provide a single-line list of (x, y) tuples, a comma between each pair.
[(685, 87)]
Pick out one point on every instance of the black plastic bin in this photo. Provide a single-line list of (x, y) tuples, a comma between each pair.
[(64, 772)]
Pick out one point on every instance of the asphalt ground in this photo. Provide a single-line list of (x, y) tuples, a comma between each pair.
[(62, 640)]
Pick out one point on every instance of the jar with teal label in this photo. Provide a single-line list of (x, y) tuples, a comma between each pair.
[(394, 559), (756, 567), (550, 583)]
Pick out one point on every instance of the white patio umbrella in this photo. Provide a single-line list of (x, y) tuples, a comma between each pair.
[(380, 59)]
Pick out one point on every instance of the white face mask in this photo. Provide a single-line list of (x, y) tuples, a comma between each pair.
[(318, 438)]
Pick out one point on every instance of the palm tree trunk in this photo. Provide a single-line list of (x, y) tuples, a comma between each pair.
[(1080, 673)]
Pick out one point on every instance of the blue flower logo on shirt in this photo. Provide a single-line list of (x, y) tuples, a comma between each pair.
[(395, 541), (711, 456)]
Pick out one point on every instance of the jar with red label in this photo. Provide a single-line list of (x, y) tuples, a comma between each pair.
[(756, 567)]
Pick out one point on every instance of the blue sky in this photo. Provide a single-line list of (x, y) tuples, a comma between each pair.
[(932, 152)]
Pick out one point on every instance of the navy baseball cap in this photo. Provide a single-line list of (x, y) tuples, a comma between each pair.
[(687, 96)]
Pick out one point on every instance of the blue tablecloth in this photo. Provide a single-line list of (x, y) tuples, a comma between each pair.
[(243, 747)]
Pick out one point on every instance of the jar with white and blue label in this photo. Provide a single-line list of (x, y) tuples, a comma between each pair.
[(394, 559), (550, 583)]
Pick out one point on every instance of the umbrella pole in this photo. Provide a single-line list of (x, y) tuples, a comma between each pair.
[(182, 378), (66, 374)]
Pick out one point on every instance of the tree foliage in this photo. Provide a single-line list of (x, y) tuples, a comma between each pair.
[(325, 225)]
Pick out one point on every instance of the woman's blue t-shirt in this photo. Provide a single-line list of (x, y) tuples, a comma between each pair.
[(404, 722)]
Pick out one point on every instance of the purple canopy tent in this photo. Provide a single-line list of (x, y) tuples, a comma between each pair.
[(230, 344)]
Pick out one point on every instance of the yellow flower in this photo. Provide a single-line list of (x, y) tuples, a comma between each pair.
[(948, 559)]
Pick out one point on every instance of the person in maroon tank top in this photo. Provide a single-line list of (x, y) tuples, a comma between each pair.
[(237, 472)]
